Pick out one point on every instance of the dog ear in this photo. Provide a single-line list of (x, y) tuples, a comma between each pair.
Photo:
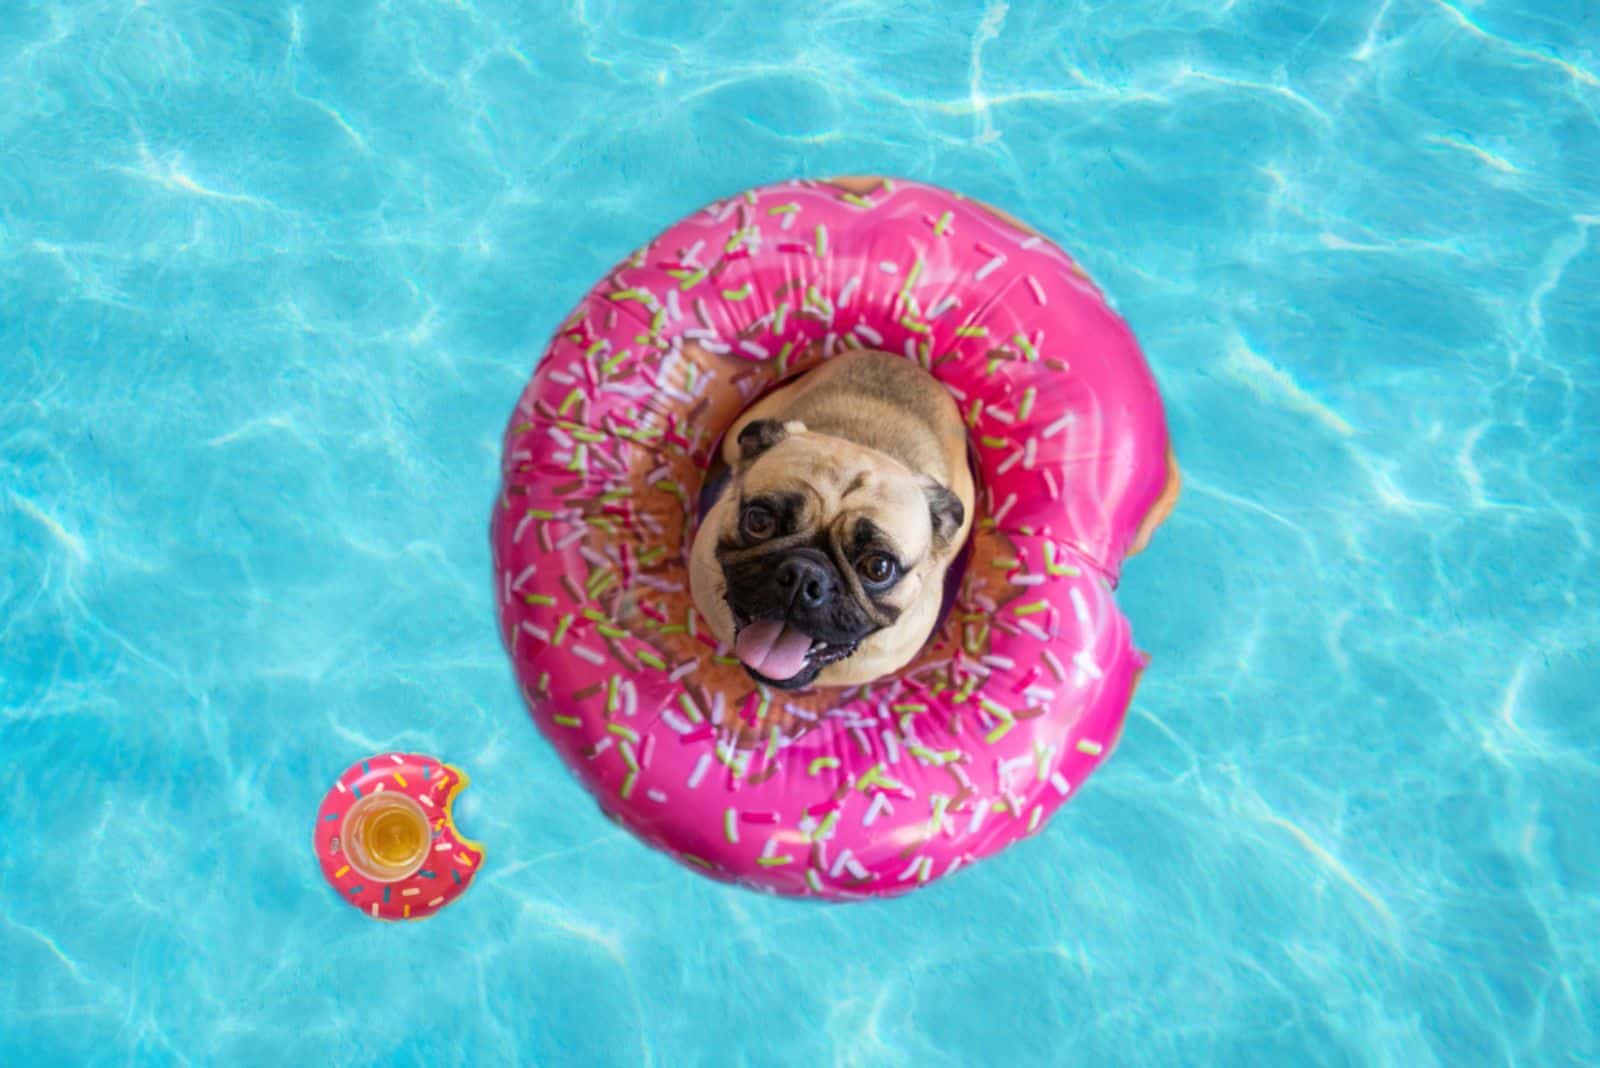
[(945, 509), (762, 434)]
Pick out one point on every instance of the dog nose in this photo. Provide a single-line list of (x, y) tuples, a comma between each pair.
[(804, 582)]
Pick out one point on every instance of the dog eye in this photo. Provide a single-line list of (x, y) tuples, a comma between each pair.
[(877, 569), (758, 521)]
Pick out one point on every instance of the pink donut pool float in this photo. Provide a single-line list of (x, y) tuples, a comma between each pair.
[(1021, 691)]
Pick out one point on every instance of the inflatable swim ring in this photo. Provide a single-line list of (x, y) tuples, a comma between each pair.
[(1022, 690), (387, 841)]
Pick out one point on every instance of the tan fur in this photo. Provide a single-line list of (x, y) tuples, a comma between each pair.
[(863, 431)]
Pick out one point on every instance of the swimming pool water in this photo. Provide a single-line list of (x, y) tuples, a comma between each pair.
[(272, 275)]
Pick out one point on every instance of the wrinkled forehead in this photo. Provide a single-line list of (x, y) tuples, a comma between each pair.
[(834, 482)]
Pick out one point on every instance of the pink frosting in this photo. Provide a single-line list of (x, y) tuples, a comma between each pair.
[(1023, 690)]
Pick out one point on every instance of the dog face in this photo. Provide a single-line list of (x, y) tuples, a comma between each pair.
[(827, 550)]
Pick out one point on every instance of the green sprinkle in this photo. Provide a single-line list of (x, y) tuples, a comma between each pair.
[(1026, 407), (774, 862), (650, 557), (622, 730), (915, 327), (822, 240), (615, 362), (627, 783), (942, 227), (857, 201), (589, 352), (737, 294), (992, 442), (651, 660), (783, 209), (1033, 608), (821, 762), (572, 398), (693, 280), (540, 599), (909, 706), (1003, 729), (561, 629), (593, 437), (825, 826), (568, 721), (613, 698), (911, 278), (972, 331), (690, 709), (699, 861), (631, 294), (607, 630), (1027, 348), (730, 825), (726, 661)]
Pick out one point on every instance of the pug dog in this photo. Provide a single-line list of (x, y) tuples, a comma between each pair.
[(823, 560)]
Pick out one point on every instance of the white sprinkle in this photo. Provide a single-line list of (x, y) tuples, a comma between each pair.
[(911, 349), (995, 660), (522, 525), (1027, 580), (442, 847), (1009, 462), (916, 866), (630, 700), (683, 669), (657, 796), (717, 347), (1058, 426), (1080, 608), (888, 267), (699, 771), (867, 332), (537, 631), (1030, 453), (980, 810), (1000, 415), (574, 535), (856, 869), (1032, 629), (891, 747), (563, 378), (411, 891), (374, 908), (692, 256), (1032, 242), (879, 803), (861, 740), (1050, 482), (425, 799), (674, 311), (789, 218), (659, 473), (800, 713), (523, 576), (698, 333), (1001, 512), (1038, 290), (626, 389), (1039, 695), (1084, 661), (676, 722), (989, 268), (751, 348), (957, 392), (943, 306), (601, 746), (583, 652), (340, 785), (839, 863), (593, 557), (655, 582), (719, 708), (848, 290)]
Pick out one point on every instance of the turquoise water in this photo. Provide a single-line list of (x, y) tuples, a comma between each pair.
[(272, 276)]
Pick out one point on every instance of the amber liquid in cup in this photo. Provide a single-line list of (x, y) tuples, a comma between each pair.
[(386, 837)]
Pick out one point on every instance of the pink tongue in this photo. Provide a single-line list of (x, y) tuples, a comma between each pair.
[(773, 648)]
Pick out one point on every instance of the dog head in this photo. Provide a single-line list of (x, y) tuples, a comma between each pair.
[(826, 547)]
